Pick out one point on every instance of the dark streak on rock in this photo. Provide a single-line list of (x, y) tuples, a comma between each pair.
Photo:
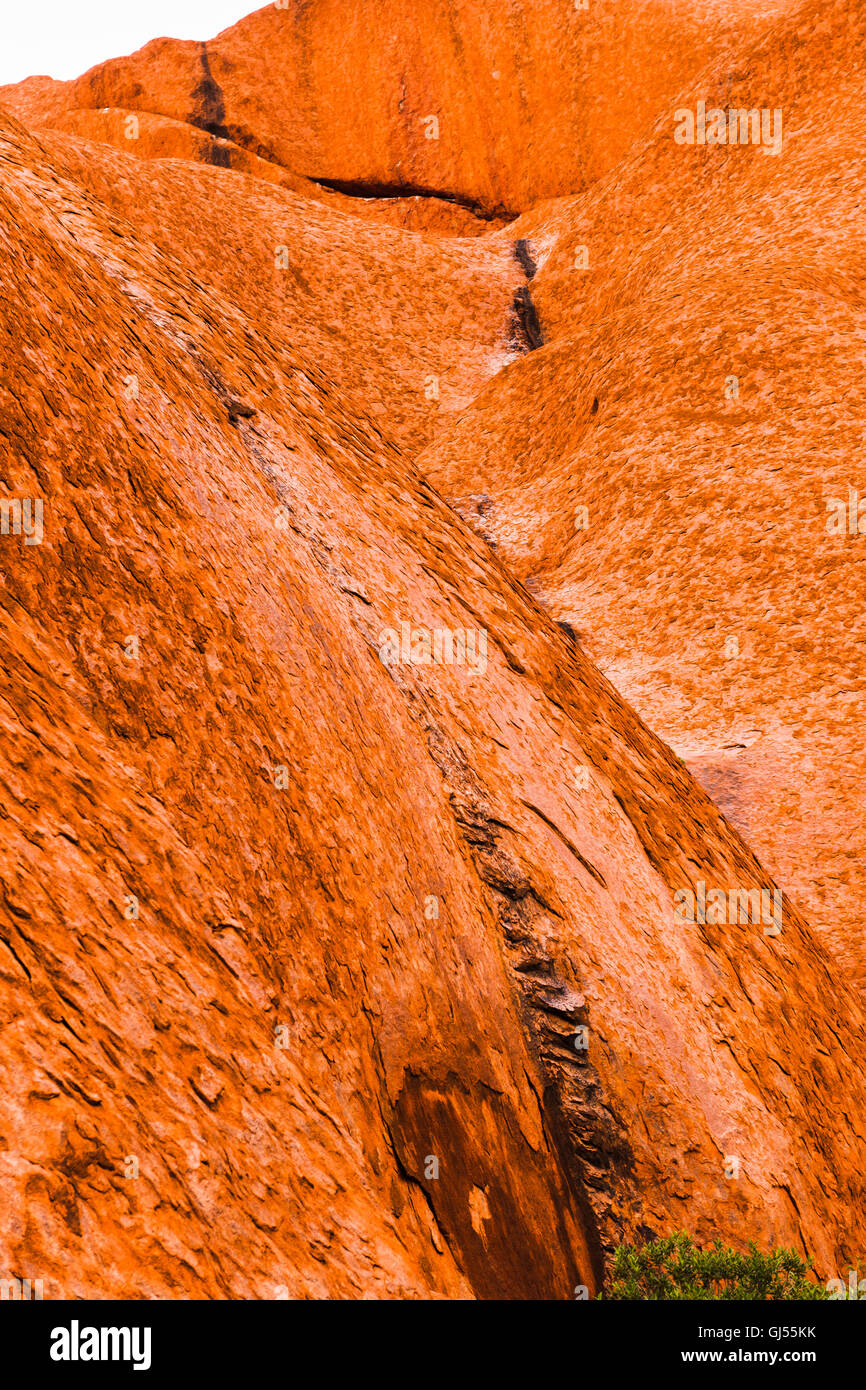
[(219, 156), (526, 333), (570, 631), (354, 189), (590, 868), (523, 255), (210, 109)]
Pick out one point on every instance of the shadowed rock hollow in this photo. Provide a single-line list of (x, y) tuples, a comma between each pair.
[(329, 973)]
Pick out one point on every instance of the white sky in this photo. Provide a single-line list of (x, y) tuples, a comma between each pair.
[(63, 38)]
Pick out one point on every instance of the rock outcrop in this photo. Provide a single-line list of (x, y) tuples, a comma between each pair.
[(342, 951), (497, 106), (668, 473)]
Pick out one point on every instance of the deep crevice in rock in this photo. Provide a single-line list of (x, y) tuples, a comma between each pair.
[(354, 189), (526, 334)]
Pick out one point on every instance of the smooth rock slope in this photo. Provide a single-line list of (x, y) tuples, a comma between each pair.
[(326, 969)]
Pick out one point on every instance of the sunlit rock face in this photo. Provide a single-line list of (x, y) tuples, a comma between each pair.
[(363, 551), (496, 105), (678, 472)]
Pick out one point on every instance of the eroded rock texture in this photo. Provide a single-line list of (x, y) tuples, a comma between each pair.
[(330, 973), (668, 472)]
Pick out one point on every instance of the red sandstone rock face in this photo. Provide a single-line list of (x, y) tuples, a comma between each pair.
[(158, 137), (701, 574), (295, 942), (499, 105)]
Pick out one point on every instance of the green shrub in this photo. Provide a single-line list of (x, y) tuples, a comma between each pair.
[(675, 1268)]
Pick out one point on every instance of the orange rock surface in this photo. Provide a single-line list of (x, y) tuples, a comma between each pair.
[(665, 473), (329, 973), (496, 105)]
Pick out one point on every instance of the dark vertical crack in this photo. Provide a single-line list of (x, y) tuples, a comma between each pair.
[(526, 334), (523, 255)]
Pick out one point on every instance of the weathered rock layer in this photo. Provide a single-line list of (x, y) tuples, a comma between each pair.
[(328, 970)]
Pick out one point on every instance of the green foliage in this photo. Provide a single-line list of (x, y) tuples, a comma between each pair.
[(674, 1268)]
